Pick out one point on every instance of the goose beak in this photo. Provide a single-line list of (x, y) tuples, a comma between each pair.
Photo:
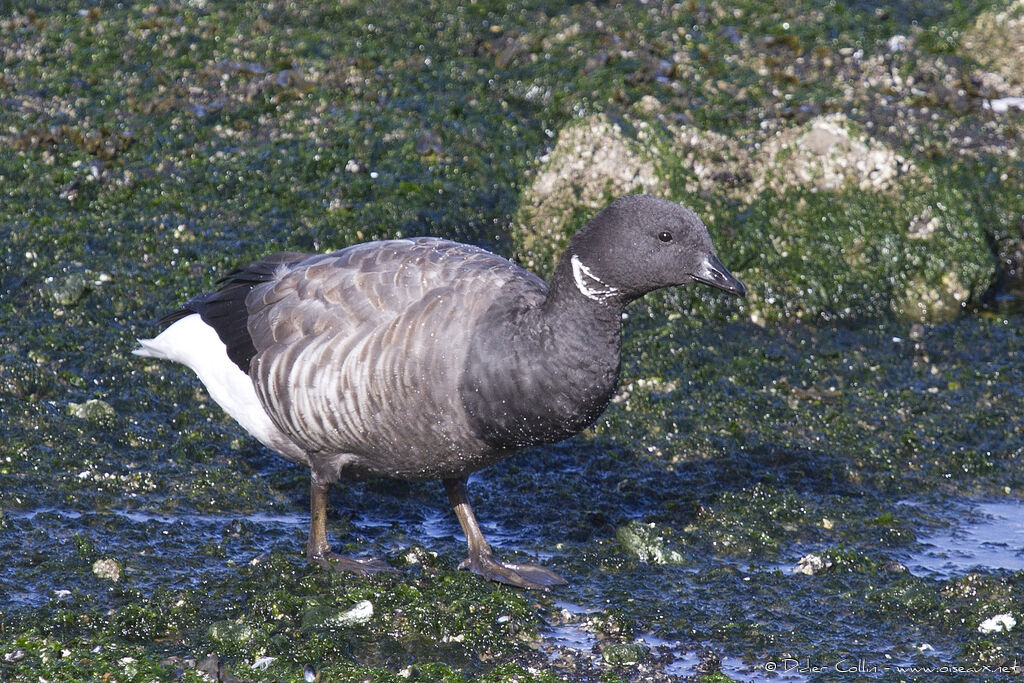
[(713, 273)]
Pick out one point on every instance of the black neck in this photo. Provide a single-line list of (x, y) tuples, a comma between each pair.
[(539, 374), (566, 301)]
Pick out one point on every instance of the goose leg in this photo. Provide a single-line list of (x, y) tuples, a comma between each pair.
[(481, 560), (317, 547)]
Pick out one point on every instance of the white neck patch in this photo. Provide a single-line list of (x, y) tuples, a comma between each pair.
[(589, 284)]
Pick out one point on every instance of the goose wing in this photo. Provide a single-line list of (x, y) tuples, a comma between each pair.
[(361, 351)]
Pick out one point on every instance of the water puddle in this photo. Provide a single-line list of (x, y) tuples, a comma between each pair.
[(684, 662), (441, 525), (987, 535), (142, 517), (991, 537), (56, 541), (673, 657)]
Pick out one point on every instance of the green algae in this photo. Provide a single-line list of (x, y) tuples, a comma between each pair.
[(625, 654), (294, 622), (152, 147), (644, 541)]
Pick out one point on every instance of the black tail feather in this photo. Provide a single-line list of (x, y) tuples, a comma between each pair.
[(224, 309)]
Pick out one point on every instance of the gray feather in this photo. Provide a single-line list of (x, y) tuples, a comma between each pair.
[(360, 352)]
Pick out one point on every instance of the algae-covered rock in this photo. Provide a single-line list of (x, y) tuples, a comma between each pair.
[(625, 654), (716, 677), (906, 597), (828, 154), (754, 522), (820, 221), (230, 632), (646, 543), (416, 555), (947, 261), (924, 301), (93, 410), (844, 227), (66, 290), (846, 559), (594, 161), (920, 253)]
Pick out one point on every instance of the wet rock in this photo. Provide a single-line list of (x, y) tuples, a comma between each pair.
[(237, 528), (893, 567), (644, 542), (178, 663), (825, 154), (26, 380), (417, 555), (94, 410), (812, 564), (325, 616), (998, 623), (996, 41), (710, 663), (612, 625), (594, 160), (108, 569), (214, 669), (66, 290), (625, 654)]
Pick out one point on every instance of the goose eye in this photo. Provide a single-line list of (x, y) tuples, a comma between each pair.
[(665, 236)]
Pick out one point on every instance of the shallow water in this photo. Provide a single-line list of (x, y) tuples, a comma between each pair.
[(985, 536), (163, 549)]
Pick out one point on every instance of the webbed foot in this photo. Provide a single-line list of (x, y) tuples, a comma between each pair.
[(481, 560), (521, 575)]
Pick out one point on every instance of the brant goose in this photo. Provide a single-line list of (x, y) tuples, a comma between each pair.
[(429, 359)]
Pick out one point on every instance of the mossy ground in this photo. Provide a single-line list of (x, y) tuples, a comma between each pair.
[(151, 147)]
